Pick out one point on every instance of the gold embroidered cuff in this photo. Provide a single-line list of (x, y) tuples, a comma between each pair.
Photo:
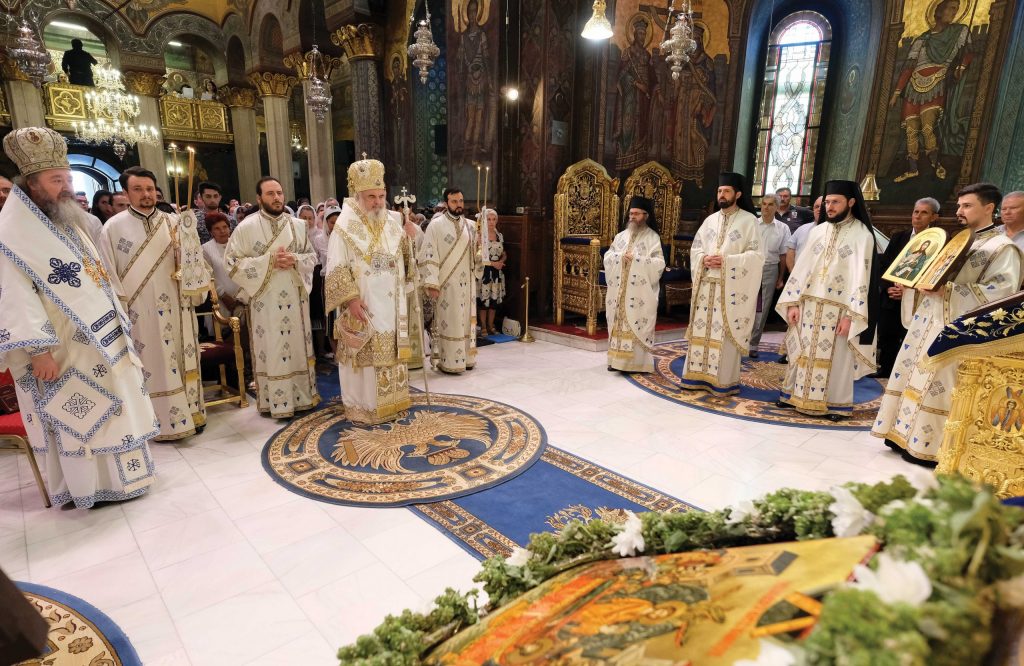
[(339, 287)]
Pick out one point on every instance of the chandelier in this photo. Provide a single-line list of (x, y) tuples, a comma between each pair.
[(679, 43), (424, 51), (113, 113), (120, 134), (29, 55), (109, 99), (318, 94)]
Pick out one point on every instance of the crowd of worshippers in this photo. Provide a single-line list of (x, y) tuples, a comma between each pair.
[(98, 323), (843, 321)]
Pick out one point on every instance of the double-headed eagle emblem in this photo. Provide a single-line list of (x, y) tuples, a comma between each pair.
[(431, 435)]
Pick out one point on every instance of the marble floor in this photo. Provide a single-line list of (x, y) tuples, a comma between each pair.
[(218, 565)]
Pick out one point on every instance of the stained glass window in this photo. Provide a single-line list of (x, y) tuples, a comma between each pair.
[(794, 88)]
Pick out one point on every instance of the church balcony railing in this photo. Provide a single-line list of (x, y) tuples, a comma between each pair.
[(184, 119), (64, 105)]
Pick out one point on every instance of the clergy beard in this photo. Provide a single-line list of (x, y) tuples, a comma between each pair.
[(376, 215), (842, 215), (724, 203), (267, 208), (63, 211)]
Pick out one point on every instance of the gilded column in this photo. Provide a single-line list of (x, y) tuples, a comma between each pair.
[(242, 104), (24, 100), (275, 89), (319, 133), (148, 87), (362, 45)]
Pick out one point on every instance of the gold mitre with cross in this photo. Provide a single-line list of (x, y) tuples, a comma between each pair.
[(365, 175), (36, 149)]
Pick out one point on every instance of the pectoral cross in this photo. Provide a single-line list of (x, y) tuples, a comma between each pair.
[(405, 199)]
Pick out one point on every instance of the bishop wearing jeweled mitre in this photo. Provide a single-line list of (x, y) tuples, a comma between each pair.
[(65, 337), (369, 273)]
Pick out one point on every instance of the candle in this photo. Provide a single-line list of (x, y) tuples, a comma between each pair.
[(478, 186), (174, 167), (191, 170), (487, 178)]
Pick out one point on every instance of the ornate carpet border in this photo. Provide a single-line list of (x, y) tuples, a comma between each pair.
[(124, 653)]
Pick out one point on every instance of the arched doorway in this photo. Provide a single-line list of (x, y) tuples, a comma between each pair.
[(90, 173)]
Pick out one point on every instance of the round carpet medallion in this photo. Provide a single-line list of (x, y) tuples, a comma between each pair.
[(760, 381), (460, 445), (80, 633)]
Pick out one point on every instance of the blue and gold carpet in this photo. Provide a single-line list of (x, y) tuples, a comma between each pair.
[(460, 445), (80, 633), (561, 487), (760, 381), (477, 470)]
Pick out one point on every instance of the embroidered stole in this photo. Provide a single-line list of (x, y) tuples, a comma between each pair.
[(452, 260), (54, 263)]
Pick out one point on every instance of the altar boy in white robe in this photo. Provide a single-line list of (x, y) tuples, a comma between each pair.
[(272, 259), (159, 263), (829, 303), (369, 268), (918, 396), (65, 337), (633, 266), (726, 261)]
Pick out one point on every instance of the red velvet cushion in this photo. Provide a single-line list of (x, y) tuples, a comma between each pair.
[(10, 424), (8, 398)]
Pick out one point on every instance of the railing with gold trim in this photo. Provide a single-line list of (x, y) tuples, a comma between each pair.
[(184, 119), (64, 104)]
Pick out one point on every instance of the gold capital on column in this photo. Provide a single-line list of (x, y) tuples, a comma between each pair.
[(148, 84), (237, 97), (303, 64), (359, 41), (272, 84)]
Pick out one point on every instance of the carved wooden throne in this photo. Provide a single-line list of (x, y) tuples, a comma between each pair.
[(586, 212), (655, 182)]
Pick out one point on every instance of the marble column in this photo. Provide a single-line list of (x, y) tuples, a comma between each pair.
[(275, 89), (148, 87), (242, 104), (24, 100), (319, 133), (362, 44)]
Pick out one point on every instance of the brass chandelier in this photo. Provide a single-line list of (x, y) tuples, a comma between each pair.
[(679, 43), (424, 51)]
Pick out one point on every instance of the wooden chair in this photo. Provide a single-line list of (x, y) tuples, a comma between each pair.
[(14, 437), (656, 182), (586, 215), (221, 353)]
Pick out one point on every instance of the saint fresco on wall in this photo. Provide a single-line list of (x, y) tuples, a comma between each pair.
[(926, 146), (651, 115)]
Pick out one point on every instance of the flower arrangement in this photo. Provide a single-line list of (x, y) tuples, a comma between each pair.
[(952, 555)]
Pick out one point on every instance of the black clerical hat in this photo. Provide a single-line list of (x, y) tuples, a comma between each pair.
[(851, 190), (646, 205), (737, 182), (734, 180)]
